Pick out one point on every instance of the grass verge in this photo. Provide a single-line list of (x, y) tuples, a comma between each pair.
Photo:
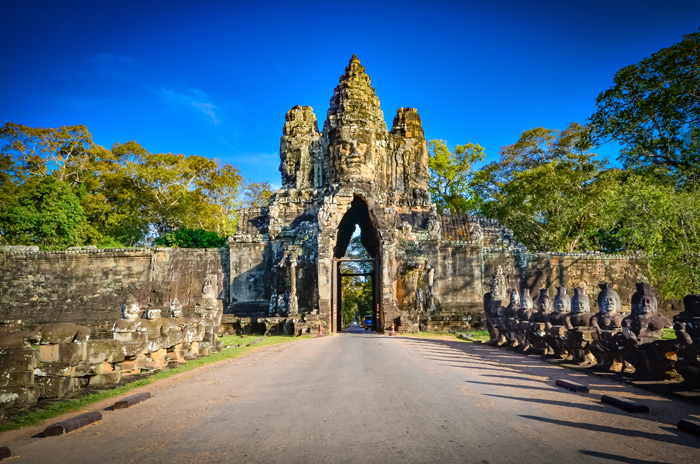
[(75, 404)]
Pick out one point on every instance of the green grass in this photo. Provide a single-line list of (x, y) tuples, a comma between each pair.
[(75, 404), (669, 334), (479, 335)]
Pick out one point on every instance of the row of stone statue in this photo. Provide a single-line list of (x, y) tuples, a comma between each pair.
[(608, 339)]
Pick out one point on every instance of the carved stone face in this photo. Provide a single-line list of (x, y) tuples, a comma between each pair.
[(526, 301), (646, 305), (580, 303), (353, 153), (559, 306), (608, 304), (514, 298), (562, 302), (643, 301), (608, 299), (544, 303)]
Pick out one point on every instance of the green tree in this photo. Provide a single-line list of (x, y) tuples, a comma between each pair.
[(256, 194), (128, 194), (535, 147), (665, 223), (653, 110), (552, 192), (64, 153), (451, 176), (45, 212), (191, 238)]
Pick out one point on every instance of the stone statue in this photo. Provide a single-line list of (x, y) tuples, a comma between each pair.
[(492, 311), (606, 324), (130, 308), (524, 314), (509, 320), (175, 308), (434, 227), (299, 150), (687, 327), (556, 333), (539, 323), (419, 300), (640, 341), (209, 289), (578, 335)]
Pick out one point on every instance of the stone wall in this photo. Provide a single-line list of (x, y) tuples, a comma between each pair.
[(87, 287)]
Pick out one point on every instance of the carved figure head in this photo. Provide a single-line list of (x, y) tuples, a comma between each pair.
[(608, 299), (643, 300), (562, 301), (130, 308), (352, 151), (526, 300), (175, 308), (580, 303), (544, 302), (514, 298)]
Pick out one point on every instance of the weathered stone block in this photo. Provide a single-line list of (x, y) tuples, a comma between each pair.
[(17, 397), (52, 386), (8, 326), (131, 337), (100, 368), (176, 354), (55, 369), (64, 333), (19, 340), (130, 350), (49, 353), (108, 378), (104, 351), (133, 365), (72, 353), (16, 378), (17, 360), (156, 359)]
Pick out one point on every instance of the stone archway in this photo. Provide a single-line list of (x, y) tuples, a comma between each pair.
[(357, 215)]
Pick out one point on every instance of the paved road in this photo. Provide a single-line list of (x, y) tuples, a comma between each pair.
[(364, 397)]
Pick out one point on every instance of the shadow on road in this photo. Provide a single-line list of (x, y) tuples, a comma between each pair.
[(618, 458), (674, 436), (514, 370)]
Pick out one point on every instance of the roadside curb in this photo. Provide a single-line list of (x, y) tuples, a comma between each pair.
[(132, 400), (624, 403), (74, 423)]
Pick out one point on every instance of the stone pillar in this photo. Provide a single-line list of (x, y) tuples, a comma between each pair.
[(293, 303)]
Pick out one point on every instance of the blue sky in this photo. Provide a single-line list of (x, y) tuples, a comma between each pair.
[(216, 78)]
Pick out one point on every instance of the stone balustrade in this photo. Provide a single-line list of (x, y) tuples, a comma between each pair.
[(54, 360)]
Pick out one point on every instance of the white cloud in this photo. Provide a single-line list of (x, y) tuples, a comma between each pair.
[(194, 98)]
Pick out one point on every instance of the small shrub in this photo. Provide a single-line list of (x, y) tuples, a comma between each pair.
[(191, 238)]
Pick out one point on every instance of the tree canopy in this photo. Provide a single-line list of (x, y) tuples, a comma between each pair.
[(451, 176), (653, 110), (44, 211), (126, 194)]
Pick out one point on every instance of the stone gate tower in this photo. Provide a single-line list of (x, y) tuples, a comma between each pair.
[(284, 258)]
